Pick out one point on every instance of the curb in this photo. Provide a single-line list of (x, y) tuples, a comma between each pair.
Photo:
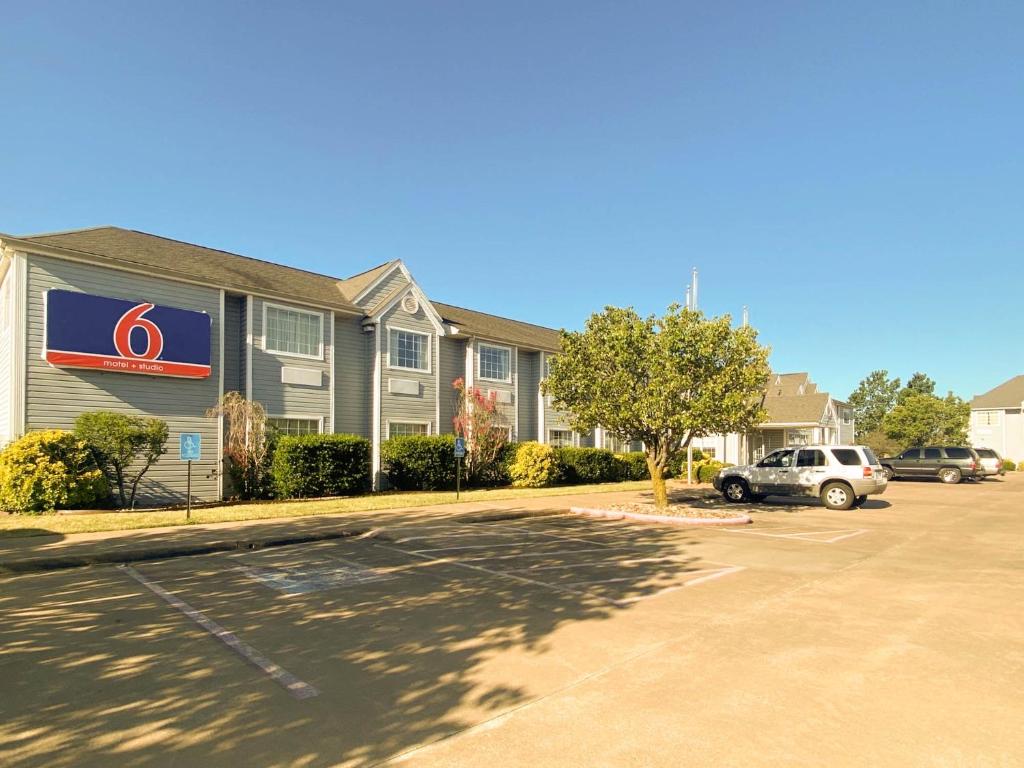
[(44, 563), (667, 519)]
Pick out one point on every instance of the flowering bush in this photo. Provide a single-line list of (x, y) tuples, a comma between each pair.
[(478, 421)]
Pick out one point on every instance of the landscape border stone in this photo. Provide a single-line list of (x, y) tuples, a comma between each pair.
[(740, 519)]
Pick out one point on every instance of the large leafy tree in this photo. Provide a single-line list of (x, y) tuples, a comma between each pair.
[(662, 380), (918, 384), (874, 397), (924, 419)]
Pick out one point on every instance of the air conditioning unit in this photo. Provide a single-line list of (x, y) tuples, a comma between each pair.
[(500, 395)]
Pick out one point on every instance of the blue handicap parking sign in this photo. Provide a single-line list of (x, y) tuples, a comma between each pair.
[(460, 447), (190, 446)]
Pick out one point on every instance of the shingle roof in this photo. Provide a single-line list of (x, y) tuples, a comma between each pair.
[(796, 409), (174, 258), (356, 284), (1009, 394), (515, 332), (784, 384), (196, 262)]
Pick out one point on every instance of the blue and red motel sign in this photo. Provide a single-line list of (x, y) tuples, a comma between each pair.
[(86, 331)]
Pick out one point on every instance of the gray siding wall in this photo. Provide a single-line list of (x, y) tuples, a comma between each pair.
[(382, 291), (56, 396), (7, 289), (506, 412), (292, 400), (529, 381), (234, 344), (453, 366), (421, 407), (353, 369)]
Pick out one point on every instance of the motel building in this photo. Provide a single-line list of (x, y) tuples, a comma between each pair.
[(120, 320)]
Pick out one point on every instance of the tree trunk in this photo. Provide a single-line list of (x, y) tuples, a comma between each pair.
[(658, 484)]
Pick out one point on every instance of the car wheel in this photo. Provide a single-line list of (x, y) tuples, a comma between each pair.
[(837, 496), (888, 474), (860, 500), (950, 475), (735, 490)]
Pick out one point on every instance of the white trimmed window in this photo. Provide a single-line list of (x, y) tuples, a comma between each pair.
[(408, 428), (495, 363), (301, 426), (987, 418), (560, 438), (293, 331), (709, 453), (409, 350)]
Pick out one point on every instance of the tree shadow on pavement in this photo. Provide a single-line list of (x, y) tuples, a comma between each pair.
[(97, 670)]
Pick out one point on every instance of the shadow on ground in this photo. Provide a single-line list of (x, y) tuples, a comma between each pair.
[(98, 671)]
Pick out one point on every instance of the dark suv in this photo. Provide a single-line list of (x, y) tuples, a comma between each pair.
[(949, 463)]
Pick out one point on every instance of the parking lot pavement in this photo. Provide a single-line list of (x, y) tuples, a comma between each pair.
[(889, 635)]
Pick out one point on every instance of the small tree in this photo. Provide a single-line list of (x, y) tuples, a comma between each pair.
[(923, 419), (477, 420), (874, 397), (661, 380), (118, 443), (247, 444), (918, 384)]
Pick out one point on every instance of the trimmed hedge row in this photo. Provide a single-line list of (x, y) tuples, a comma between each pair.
[(311, 466), (426, 463), (419, 462)]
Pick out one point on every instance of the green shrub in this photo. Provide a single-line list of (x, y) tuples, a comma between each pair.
[(708, 469), (496, 474), (1010, 466), (535, 466), (633, 466), (321, 465), (677, 464), (123, 446), (419, 462), (49, 470), (588, 465)]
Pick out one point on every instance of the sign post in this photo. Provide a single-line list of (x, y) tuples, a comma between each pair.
[(460, 452), (190, 448)]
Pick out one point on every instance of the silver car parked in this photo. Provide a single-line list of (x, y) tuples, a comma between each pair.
[(991, 462), (840, 475)]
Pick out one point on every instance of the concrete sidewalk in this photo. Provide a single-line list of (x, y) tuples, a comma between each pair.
[(52, 552)]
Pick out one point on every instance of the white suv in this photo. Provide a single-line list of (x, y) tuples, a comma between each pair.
[(840, 475)]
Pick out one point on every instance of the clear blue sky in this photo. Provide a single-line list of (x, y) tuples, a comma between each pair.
[(852, 172)]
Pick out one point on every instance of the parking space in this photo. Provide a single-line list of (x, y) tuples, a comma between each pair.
[(456, 643)]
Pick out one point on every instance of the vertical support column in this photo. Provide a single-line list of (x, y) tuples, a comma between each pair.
[(541, 431), (249, 341), (220, 398), (19, 345), (375, 429), (514, 365), (331, 371)]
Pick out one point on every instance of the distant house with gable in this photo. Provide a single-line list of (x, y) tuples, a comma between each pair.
[(997, 421), (798, 414)]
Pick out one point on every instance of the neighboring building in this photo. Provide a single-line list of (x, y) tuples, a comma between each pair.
[(997, 421), (115, 319), (797, 415)]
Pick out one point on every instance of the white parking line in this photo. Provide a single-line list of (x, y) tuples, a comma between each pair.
[(844, 533), (511, 576), (702, 580), (296, 687)]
